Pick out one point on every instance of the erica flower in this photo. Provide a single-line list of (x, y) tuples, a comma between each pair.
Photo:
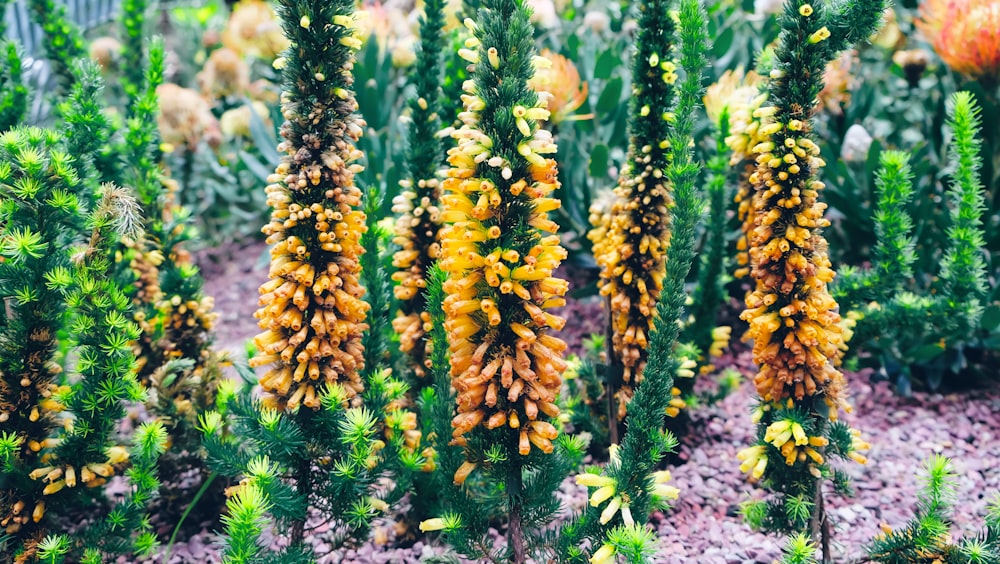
[(965, 33), (631, 246), (499, 249), (418, 205), (754, 460), (561, 81), (311, 309)]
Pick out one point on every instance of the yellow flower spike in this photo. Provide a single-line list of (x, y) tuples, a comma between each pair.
[(604, 555), (506, 366), (311, 309), (609, 512)]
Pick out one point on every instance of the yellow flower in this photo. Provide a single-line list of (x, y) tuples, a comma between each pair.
[(754, 460), (497, 318), (604, 555), (965, 33)]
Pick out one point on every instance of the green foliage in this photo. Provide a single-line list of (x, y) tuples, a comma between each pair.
[(925, 330), (631, 473), (63, 42), (926, 537), (13, 92), (133, 23)]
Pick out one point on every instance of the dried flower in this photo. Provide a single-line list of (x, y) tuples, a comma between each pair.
[(185, 117), (224, 74)]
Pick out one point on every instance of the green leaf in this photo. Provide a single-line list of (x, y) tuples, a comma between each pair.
[(610, 96), (599, 161), (991, 318), (606, 63)]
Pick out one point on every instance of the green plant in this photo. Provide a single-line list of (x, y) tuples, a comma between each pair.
[(62, 41), (909, 327), (13, 92), (630, 481), (60, 286), (927, 537)]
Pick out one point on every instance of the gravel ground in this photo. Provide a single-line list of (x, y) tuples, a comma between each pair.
[(703, 526)]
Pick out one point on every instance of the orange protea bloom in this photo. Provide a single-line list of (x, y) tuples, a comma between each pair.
[(500, 249), (965, 33), (561, 81), (312, 309)]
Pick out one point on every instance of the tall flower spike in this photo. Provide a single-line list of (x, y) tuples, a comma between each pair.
[(499, 246), (794, 321), (632, 250), (312, 309), (420, 220)]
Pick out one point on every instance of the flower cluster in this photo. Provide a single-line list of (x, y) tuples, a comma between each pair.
[(253, 31), (500, 249), (797, 332), (631, 249), (311, 309), (418, 205), (965, 33)]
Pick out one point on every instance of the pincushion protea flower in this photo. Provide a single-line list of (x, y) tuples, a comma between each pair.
[(561, 83), (500, 249), (312, 309), (965, 33)]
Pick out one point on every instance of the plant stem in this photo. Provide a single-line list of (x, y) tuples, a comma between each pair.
[(612, 378), (197, 497), (302, 484), (819, 526), (515, 532)]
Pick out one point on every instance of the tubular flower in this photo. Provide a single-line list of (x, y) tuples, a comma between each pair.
[(631, 247), (754, 460), (560, 81), (311, 309), (965, 33), (793, 319), (499, 249), (418, 205)]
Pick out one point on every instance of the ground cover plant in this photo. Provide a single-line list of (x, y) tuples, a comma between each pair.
[(500, 281)]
